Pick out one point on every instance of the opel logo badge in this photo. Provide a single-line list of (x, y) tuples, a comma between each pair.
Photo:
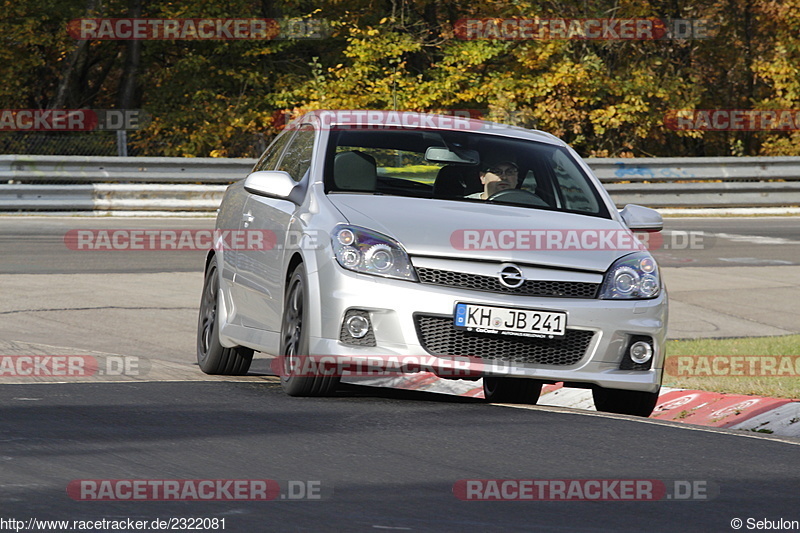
[(510, 276)]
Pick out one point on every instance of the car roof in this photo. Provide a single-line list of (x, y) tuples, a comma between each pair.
[(328, 118)]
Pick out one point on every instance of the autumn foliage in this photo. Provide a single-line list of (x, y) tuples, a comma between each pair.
[(606, 97)]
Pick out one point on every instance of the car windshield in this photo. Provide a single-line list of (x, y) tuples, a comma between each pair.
[(455, 165)]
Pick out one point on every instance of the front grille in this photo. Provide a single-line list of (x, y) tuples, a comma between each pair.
[(439, 337), (478, 282)]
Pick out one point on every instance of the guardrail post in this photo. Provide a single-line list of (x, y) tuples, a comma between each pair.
[(122, 143)]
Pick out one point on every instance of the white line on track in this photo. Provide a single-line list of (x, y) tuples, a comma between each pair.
[(665, 423), (752, 239)]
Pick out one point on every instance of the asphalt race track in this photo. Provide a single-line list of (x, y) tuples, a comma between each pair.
[(38, 244), (387, 459), (368, 459)]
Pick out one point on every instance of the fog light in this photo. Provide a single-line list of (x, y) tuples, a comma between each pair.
[(640, 352), (357, 326)]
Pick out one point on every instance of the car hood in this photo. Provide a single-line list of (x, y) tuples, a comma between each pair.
[(444, 228)]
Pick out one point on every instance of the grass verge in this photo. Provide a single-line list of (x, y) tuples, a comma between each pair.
[(762, 366)]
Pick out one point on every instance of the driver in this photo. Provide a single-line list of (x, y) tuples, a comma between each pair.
[(495, 177)]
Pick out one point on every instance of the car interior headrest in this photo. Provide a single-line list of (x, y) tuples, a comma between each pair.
[(355, 171), (455, 181)]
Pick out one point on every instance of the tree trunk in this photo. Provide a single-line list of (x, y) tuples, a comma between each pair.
[(127, 97), (77, 61)]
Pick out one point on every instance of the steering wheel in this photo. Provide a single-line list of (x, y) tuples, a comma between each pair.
[(520, 196)]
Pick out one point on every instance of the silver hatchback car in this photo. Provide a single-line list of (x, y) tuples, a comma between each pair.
[(382, 236)]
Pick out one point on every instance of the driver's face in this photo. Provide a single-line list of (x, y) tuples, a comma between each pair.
[(500, 178)]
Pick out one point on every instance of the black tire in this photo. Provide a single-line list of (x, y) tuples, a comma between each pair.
[(511, 390), (624, 402), (294, 342), (212, 357)]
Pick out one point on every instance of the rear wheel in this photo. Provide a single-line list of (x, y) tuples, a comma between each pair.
[(624, 402), (511, 390), (294, 343), (212, 357)]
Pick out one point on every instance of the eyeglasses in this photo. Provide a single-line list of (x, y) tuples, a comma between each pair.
[(508, 171)]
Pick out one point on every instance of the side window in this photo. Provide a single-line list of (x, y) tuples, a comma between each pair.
[(576, 190), (272, 154), (297, 157), (529, 183)]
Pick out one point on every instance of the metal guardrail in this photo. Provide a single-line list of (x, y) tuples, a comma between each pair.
[(99, 169), (701, 181), (64, 183), (674, 169), (111, 197)]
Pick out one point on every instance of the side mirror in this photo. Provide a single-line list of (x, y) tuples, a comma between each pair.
[(639, 218), (274, 184)]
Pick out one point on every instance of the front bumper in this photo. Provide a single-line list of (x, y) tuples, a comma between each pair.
[(394, 307)]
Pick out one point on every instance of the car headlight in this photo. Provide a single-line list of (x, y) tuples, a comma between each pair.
[(633, 277), (369, 252)]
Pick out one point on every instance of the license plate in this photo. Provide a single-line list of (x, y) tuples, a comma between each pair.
[(510, 321)]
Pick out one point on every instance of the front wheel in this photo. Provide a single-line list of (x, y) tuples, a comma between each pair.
[(212, 357), (298, 379), (625, 402), (511, 390)]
